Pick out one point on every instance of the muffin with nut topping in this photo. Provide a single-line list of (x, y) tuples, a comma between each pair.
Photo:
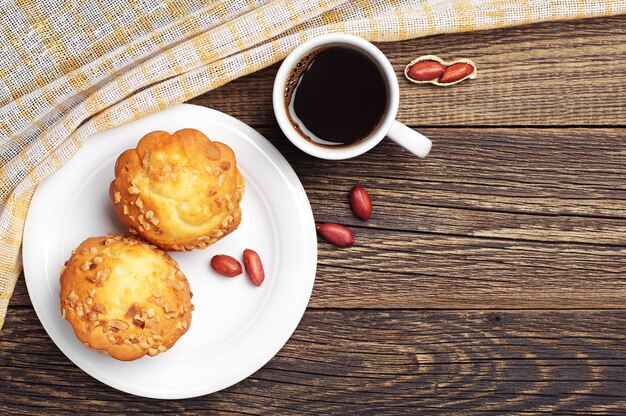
[(125, 297), (178, 191)]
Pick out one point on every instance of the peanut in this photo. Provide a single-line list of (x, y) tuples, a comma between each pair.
[(254, 267), (426, 70), (431, 69), (360, 202), (226, 265), (336, 234), (456, 72)]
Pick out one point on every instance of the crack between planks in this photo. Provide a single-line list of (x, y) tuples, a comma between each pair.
[(428, 309), (478, 237)]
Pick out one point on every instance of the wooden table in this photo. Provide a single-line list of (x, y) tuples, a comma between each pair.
[(491, 278)]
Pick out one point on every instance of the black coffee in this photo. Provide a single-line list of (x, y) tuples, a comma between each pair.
[(336, 96)]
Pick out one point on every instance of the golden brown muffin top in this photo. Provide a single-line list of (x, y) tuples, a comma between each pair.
[(125, 297), (178, 191)]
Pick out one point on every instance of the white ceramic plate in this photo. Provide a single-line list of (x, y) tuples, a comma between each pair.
[(236, 327)]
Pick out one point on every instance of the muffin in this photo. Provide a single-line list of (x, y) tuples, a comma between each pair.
[(124, 296), (178, 191)]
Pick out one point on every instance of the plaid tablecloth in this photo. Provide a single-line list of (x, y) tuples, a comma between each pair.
[(71, 68)]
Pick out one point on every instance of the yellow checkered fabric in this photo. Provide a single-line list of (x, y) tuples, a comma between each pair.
[(69, 68)]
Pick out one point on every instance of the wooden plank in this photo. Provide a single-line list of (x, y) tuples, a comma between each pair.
[(396, 269), (554, 174), (567, 73), (368, 362), (492, 221), (388, 269)]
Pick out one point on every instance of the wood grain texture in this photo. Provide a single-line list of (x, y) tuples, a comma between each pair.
[(567, 73), (494, 218), (368, 362), (491, 278)]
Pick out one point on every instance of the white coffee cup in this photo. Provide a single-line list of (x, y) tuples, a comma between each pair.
[(411, 140)]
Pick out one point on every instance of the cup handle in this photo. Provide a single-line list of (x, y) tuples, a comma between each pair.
[(411, 140)]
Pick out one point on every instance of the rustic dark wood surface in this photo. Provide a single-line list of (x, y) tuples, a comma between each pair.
[(491, 278)]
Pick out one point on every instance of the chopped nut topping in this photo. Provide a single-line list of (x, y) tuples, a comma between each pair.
[(72, 297), (225, 165), (139, 324), (116, 323), (154, 331), (152, 352), (133, 310), (133, 190), (105, 273), (162, 348), (149, 214), (150, 312), (220, 180), (179, 325), (84, 251), (98, 307), (139, 203), (117, 197), (144, 344), (127, 342), (97, 260), (125, 209), (85, 266)]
